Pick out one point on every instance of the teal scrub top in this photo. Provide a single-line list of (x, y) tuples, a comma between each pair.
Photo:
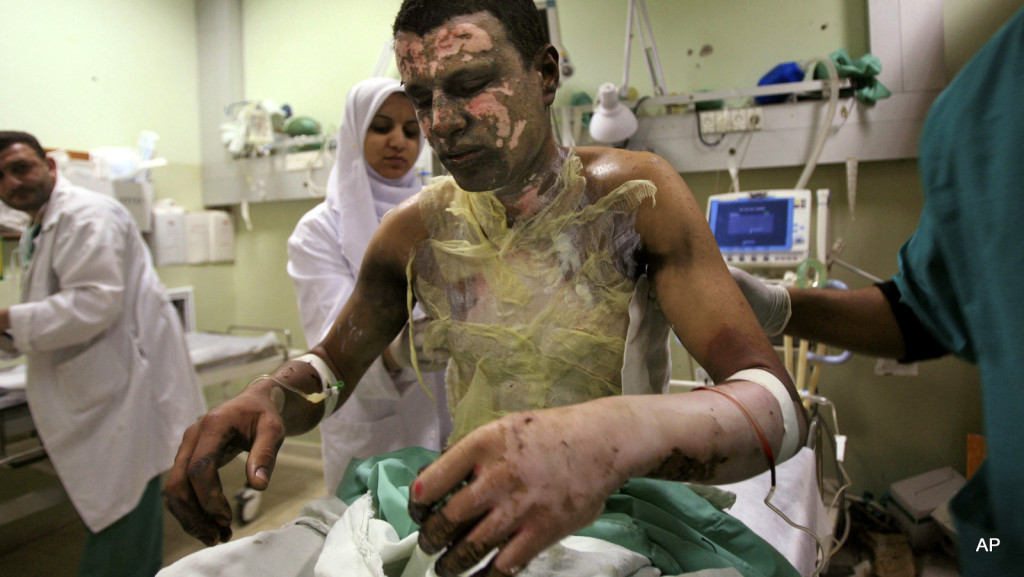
[(962, 273)]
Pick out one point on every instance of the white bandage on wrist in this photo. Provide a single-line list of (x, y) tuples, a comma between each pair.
[(790, 422), (328, 381)]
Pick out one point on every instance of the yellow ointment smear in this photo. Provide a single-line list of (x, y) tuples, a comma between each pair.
[(315, 397)]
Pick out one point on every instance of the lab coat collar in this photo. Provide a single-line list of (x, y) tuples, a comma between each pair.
[(51, 209)]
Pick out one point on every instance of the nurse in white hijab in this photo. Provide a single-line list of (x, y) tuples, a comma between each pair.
[(378, 143)]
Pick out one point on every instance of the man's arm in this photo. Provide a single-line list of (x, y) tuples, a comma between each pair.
[(716, 325), (87, 254), (258, 419)]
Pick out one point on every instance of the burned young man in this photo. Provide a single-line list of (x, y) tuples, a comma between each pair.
[(539, 264)]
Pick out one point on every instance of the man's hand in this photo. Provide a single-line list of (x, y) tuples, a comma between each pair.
[(193, 494), (520, 484), (435, 360), (770, 302)]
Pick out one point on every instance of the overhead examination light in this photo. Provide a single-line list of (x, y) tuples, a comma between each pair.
[(612, 120)]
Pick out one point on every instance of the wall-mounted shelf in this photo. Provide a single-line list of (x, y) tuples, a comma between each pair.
[(906, 35), (885, 131), (281, 176)]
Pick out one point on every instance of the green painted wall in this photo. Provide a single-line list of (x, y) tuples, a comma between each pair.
[(82, 74)]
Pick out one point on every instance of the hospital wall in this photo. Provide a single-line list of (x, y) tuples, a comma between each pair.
[(81, 74)]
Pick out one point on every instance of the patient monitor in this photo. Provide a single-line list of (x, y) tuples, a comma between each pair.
[(762, 229)]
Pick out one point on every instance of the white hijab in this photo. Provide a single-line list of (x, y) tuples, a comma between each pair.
[(355, 191)]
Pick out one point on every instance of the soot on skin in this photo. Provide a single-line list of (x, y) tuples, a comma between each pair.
[(679, 466)]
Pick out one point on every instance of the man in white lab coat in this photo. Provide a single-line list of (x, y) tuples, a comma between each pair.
[(110, 383)]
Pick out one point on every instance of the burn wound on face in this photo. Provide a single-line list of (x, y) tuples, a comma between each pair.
[(486, 107), (520, 125), (418, 55), (411, 56), (464, 37)]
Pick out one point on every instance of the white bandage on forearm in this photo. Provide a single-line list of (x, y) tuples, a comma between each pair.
[(790, 422), (327, 381)]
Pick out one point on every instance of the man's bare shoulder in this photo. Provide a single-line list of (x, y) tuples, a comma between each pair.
[(609, 168)]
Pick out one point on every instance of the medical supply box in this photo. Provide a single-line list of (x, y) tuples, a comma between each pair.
[(167, 241), (913, 500)]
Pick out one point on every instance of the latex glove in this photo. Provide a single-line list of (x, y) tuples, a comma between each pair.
[(435, 360), (770, 302)]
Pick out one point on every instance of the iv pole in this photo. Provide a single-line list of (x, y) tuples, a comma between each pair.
[(637, 15)]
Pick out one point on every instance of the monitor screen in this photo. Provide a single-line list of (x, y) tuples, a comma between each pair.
[(761, 224)]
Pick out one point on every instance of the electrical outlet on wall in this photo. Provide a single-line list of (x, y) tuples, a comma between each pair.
[(723, 121), (707, 121), (738, 119), (755, 118), (731, 120)]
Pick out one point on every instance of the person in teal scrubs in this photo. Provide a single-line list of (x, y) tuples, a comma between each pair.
[(958, 289)]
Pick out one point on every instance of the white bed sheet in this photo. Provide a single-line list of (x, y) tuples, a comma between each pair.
[(796, 495), (13, 379), (207, 349), (304, 548)]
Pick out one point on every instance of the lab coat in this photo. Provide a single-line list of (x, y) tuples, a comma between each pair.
[(387, 411), (109, 382)]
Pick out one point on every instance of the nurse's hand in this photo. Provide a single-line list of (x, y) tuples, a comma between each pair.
[(770, 302), (194, 494), (521, 483)]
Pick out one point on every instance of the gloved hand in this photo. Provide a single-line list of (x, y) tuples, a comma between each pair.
[(437, 360), (770, 302)]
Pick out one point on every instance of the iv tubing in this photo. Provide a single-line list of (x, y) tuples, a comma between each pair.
[(826, 123), (771, 466), (852, 268), (311, 397)]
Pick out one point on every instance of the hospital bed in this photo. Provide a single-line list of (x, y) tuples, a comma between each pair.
[(222, 357), (219, 358), (350, 541)]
